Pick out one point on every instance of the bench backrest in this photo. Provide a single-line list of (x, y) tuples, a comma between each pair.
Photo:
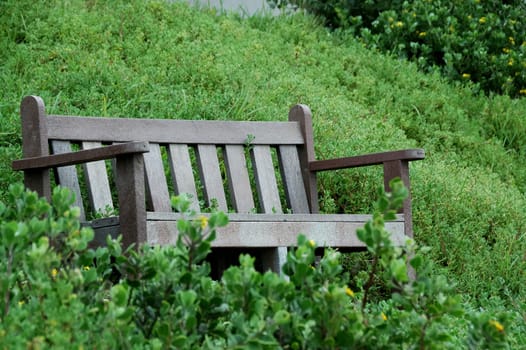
[(236, 166)]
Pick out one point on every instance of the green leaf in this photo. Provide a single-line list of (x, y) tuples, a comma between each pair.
[(399, 270), (282, 317), (187, 298), (416, 262), (119, 295)]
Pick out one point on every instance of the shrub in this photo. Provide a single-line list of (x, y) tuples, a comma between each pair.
[(477, 41), (57, 292)]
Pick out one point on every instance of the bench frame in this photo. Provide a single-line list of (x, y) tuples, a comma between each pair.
[(131, 151)]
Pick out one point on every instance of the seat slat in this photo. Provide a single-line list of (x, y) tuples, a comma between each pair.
[(97, 181), (261, 230), (293, 179), (67, 175), (182, 174), (238, 178), (158, 196), (210, 173)]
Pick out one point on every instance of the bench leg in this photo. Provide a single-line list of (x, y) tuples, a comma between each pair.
[(132, 208), (400, 168), (273, 259)]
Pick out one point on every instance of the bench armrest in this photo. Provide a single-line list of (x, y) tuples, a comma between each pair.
[(365, 160), (78, 157)]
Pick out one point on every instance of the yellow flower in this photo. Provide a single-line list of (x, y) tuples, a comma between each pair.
[(511, 40), (506, 50), (522, 91), (203, 221), (54, 273), (384, 317), (466, 76), (21, 302), (510, 62), (422, 34), (312, 243), (482, 20), (349, 292), (399, 24), (87, 268), (498, 326)]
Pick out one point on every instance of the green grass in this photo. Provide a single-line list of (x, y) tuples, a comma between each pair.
[(150, 59)]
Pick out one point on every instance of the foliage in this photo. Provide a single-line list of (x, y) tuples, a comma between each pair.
[(57, 292), (477, 41), (161, 59)]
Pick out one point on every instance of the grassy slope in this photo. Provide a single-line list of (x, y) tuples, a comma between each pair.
[(145, 58)]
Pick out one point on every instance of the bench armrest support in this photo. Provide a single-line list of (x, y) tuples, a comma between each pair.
[(366, 160), (78, 157), (130, 180), (395, 163)]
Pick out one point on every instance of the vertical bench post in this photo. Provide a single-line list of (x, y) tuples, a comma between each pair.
[(400, 168), (35, 143), (302, 114), (132, 207)]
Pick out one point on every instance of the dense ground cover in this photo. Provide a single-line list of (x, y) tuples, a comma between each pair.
[(147, 58), (477, 41)]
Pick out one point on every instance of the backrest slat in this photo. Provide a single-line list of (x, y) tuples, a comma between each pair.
[(97, 182), (67, 175), (157, 190), (212, 132), (182, 174), (238, 178), (293, 179), (210, 174), (265, 177)]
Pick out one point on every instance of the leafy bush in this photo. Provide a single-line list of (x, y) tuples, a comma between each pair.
[(57, 292), (162, 59), (478, 41)]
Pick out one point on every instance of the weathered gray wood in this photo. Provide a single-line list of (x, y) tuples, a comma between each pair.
[(157, 189), (132, 209), (161, 131), (210, 174), (279, 217), (35, 143), (293, 179), (265, 176), (275, 230), (67, 175), (97, 181), (303, 116), (400, 169), (367, 159), (294, 141), (238, 178), (103, 228), (182, 174), (78, 157)]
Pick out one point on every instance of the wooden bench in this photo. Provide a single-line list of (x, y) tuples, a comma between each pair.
[(262, 173)]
